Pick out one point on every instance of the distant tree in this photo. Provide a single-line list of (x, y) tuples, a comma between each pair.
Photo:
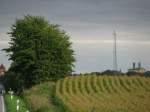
[(95, 73), (39, 51), (112, 72), (147, 74), (131, 73)]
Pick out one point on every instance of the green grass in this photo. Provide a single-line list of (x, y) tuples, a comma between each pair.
[(11, 104), (41, 98)]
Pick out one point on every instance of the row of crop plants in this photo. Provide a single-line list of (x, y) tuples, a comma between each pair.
[(104, 93)]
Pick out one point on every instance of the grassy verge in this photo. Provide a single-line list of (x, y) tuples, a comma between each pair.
[(41, 98), (11, 104)]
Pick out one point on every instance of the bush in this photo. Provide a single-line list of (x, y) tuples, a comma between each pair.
[(10, 80), (41, 98), (112, 72), (147, 74)]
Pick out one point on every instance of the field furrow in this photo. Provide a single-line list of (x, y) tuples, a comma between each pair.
[(91, 93)]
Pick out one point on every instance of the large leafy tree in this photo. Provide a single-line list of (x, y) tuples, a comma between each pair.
[(39, 51)]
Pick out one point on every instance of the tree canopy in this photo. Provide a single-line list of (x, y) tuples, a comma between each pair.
[(39, 51)]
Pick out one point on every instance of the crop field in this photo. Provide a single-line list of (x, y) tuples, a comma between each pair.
[(93, 93)]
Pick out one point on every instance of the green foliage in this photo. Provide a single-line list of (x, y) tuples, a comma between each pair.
[(41, 98), (112, 72), (11, 104), (39, 51), (12, 80)]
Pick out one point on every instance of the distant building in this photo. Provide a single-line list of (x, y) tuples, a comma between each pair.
[(2, 69), (138, 70)]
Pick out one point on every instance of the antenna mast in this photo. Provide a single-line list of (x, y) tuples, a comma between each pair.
[(115, 66)]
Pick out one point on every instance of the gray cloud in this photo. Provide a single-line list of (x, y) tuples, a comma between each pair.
[(87, 20)]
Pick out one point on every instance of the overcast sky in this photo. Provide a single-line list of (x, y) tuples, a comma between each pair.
[(90, 24)]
